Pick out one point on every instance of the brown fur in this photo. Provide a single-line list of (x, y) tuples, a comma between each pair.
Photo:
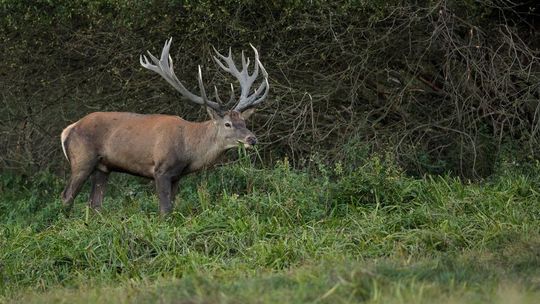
[(161, 147)]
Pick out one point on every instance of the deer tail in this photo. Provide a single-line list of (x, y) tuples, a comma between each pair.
[(64, 137)]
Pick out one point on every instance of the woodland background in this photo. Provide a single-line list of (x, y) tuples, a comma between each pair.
[(446, 86)]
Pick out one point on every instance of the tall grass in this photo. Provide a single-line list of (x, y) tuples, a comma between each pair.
[(245, 234)]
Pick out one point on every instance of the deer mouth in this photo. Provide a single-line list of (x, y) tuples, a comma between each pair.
[(245, 144)]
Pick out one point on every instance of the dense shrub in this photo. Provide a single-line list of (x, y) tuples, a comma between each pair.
[(442, 85), (378, 181)]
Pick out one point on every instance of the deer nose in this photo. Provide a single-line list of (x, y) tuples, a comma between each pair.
[(252, 140)]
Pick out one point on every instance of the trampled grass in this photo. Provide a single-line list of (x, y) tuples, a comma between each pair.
[(243, 234)]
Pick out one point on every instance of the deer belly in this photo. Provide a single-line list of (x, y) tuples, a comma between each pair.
[(133, 162), (140, 169)]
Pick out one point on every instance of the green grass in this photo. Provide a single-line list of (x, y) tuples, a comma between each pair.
[(244, 234)]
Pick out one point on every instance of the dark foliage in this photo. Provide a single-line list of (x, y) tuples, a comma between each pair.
[(446, 86)]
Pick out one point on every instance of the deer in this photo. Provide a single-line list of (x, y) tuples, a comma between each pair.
[(162, 147)]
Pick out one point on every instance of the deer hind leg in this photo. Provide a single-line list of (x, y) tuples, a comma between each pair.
[(99, 183), (83, 162), (77, 179)]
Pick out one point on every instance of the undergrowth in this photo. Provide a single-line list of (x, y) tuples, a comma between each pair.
[(241, 233)]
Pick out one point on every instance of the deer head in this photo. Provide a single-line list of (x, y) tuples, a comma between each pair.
[(230, 124)]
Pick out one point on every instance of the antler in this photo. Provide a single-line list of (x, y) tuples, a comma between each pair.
[(246, 100), (164, 67)]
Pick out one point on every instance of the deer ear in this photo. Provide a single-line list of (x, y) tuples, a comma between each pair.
[(247, 113), (214, 115)]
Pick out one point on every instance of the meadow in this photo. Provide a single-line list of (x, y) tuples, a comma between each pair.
[(245, 233)]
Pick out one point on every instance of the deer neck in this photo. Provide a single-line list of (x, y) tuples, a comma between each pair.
[(210, 146)]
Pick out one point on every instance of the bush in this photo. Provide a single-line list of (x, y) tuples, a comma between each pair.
[(442, 85), (378, 181)]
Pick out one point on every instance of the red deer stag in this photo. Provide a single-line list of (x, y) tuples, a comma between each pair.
[(162, 147)]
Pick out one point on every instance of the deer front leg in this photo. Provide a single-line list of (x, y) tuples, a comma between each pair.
[(174, 190), (164, 189)]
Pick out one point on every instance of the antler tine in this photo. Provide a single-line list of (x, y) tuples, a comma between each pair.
[(245, 64), (201, 87), (217, 95), (230, 67), (231, 97), (263, 97), (254, 99), (244, 78), (164, 67)]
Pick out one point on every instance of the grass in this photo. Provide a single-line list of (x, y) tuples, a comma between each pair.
[(245, 234)]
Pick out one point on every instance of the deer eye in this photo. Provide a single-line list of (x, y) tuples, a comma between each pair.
[(228, 125)]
